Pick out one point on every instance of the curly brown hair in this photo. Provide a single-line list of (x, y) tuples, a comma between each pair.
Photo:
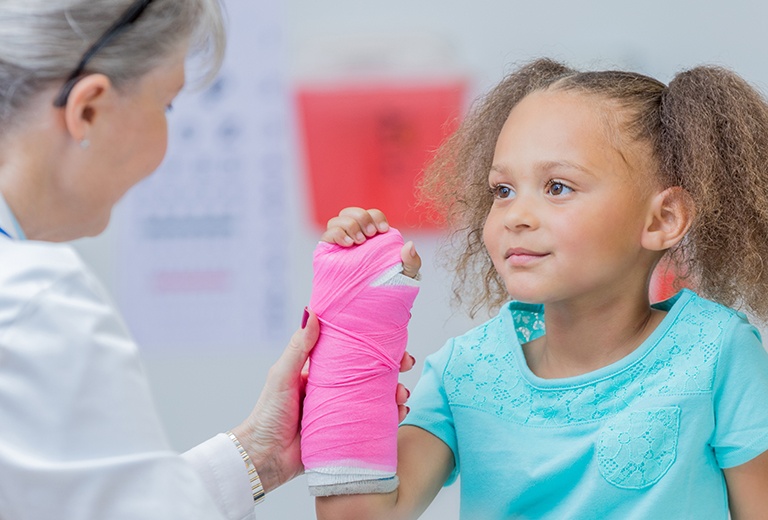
[(708, 132)]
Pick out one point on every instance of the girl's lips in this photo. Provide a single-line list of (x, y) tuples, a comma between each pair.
[(519, 257), (518, 251)]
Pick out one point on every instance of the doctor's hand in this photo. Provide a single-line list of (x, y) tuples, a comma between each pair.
[(271, 433), (354, 226)]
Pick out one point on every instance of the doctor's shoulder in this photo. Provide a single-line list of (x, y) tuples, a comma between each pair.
[(29, 269)]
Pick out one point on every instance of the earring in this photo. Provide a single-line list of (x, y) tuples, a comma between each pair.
[(85, 144)]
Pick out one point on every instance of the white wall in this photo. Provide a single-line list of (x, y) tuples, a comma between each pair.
[(202, 395)]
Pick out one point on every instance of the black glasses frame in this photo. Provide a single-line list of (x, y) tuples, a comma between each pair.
[(126, 20)]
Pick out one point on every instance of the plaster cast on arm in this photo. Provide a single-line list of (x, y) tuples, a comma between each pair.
[(349, 427)]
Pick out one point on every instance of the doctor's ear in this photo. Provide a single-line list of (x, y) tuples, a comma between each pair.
[(670, 216), (85, 104)]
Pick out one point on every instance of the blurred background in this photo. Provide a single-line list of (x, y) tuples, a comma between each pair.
[(321, 105)]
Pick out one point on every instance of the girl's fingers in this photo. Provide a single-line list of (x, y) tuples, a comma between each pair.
[(343, 235), (366, 221), (379, 220), (411, 260), (354, 225)]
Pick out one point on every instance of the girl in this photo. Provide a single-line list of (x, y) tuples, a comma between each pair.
[(580, 399)]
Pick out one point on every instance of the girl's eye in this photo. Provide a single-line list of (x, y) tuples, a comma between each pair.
[(557, 188), (502, 191)]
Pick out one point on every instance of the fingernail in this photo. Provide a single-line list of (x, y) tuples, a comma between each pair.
[(384, 227), (348, 240), (360, 237), (409, 393), (370, 229), (413, 250), (413, 359), (407, 409), (305, 318)]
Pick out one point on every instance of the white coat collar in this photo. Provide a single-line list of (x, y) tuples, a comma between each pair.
[(8, 222)]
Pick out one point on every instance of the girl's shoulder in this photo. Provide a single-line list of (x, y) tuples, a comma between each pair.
[(707, 318), (709, 337), (709, 309)]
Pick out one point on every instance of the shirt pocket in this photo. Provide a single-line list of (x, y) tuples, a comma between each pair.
[(636, 448)]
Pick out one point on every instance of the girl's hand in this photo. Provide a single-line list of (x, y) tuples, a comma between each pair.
[(354, 225)]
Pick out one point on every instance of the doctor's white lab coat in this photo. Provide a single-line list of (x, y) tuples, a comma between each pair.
[(79, 435)]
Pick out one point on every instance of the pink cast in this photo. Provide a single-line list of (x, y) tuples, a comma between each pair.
[(350, 415)]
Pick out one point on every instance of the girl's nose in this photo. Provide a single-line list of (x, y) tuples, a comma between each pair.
[(521, 213)]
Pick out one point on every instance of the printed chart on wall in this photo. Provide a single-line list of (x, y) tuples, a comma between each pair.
[(202, 254)]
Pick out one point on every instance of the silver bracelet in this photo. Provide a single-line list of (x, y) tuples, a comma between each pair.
[(256, 488)]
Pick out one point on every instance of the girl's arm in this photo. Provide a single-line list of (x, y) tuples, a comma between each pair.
[(748, 489), (424, 463)]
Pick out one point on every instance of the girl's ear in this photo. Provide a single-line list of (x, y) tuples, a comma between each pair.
[(85, 104), (670, 216)]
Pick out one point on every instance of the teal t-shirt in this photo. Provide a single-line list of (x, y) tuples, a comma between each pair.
[(645, 437)]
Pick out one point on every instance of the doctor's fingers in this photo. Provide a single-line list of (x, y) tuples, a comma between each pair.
[(407, 362), (294, 358), (401, 396)]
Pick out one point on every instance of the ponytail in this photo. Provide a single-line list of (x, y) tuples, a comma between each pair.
[(714, 143)]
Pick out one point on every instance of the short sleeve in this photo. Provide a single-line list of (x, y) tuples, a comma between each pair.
[(430, 410), (740, 393)]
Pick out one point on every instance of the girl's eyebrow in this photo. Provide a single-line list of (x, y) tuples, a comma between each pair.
[(552, 165), (498, 168), (546, 166)]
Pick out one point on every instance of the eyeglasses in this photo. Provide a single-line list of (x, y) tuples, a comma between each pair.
[(122, 23)]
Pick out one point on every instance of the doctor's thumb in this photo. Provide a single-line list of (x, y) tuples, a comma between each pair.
[(302, 341)]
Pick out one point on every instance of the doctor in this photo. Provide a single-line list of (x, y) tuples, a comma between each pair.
[(84, 88)]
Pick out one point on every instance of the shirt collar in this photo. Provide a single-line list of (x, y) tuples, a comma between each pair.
[(8, 221)]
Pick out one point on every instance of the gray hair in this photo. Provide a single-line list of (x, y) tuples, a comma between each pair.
[(42, 41)]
